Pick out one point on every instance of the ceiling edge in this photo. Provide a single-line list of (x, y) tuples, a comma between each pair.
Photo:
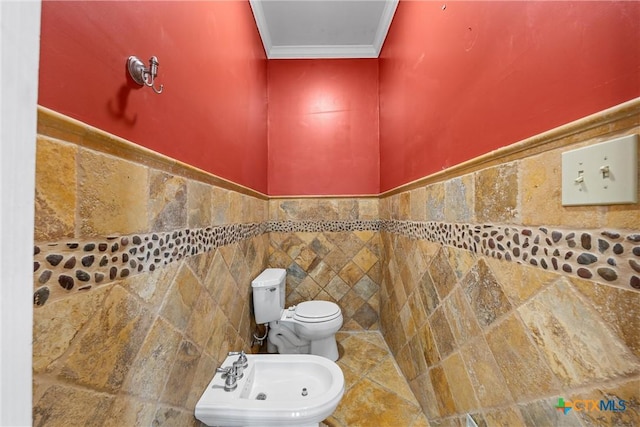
[(323, 51), (385, 22), (263, 29)]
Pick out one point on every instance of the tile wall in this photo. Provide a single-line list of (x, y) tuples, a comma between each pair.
[(494, 299), (141, 274), (497, 301), (331, 250)]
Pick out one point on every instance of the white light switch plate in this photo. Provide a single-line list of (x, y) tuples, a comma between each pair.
[(601, 174)]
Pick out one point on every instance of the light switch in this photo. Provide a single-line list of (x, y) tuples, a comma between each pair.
[(601, 174)]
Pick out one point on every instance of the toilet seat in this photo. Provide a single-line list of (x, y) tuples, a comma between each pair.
[(316, 312)]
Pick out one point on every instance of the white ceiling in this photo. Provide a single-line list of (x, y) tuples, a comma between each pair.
[(323, 28)]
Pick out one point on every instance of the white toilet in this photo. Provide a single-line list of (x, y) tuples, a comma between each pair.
[(307, 328)]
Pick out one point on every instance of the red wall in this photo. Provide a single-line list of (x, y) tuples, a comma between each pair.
[(213, 111), (460, 82), (323, 127)]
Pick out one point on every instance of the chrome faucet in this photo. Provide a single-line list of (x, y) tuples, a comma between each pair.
[(231, 376)]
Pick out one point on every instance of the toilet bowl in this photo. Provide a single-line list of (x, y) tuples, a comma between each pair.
[(274, 390), (306, 328)]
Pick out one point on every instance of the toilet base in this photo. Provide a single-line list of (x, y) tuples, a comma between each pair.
[(326, 347)]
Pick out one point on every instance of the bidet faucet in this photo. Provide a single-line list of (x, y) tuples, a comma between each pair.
[(242, 357), (231, 376)]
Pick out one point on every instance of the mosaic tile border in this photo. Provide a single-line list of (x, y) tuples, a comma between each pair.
[(80, 265), (602, 255)]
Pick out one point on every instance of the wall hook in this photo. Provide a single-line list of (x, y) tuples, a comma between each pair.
[(142, 75)]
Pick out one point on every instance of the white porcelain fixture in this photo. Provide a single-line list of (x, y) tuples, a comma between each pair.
[(307, 328), (275, 390)]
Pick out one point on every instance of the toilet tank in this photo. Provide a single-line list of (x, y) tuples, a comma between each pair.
[(269, 294)]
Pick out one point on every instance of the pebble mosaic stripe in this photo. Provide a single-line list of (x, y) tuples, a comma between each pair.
[(601, 255), (79, 265)]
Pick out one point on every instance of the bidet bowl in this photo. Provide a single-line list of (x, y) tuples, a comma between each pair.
[(275, 390)]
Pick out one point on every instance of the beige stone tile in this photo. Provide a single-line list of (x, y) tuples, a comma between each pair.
[(496, 194), (182, 373), (442, 274), (112, 195), (308, 289), (365, 259), (167, 201), (544, 413), (404, 205), (459, 383), (612, 395), (388, 375), (434, 194), (406, 318), (484, 293), (198, 204), (442, 332), (622, 216), (322, 274), (444, 399), (199, 327), (619, 309), (66, 406), (365, 288), (237, 209), (306, 258), (219, 342), (220, 214), (488, 382), (417, 311), (418, 204), (541, 189), (519, 282), (167, 416), (204, 373), (366, 316), (420, 421), (460, 260), (523, 369), (181, 298), (127, 411), (297, 209), (368, 404), (595, 354), (459, 199), (103, 355), (368, 209), (351, 273), (55, 193), (152, 287), (428, 294), (57, 323), (428, 345), (337, 288), (360, 354), (462, 322), (423, 391), (153, 362), (350, 303), (504, 417), (407, 365)]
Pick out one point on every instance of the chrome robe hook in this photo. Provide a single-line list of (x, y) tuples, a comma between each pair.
[(142, 75)]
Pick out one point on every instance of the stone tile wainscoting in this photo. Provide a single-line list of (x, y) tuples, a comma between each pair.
[(331, 250), (497, 301), (141, 275), (494, 299)]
